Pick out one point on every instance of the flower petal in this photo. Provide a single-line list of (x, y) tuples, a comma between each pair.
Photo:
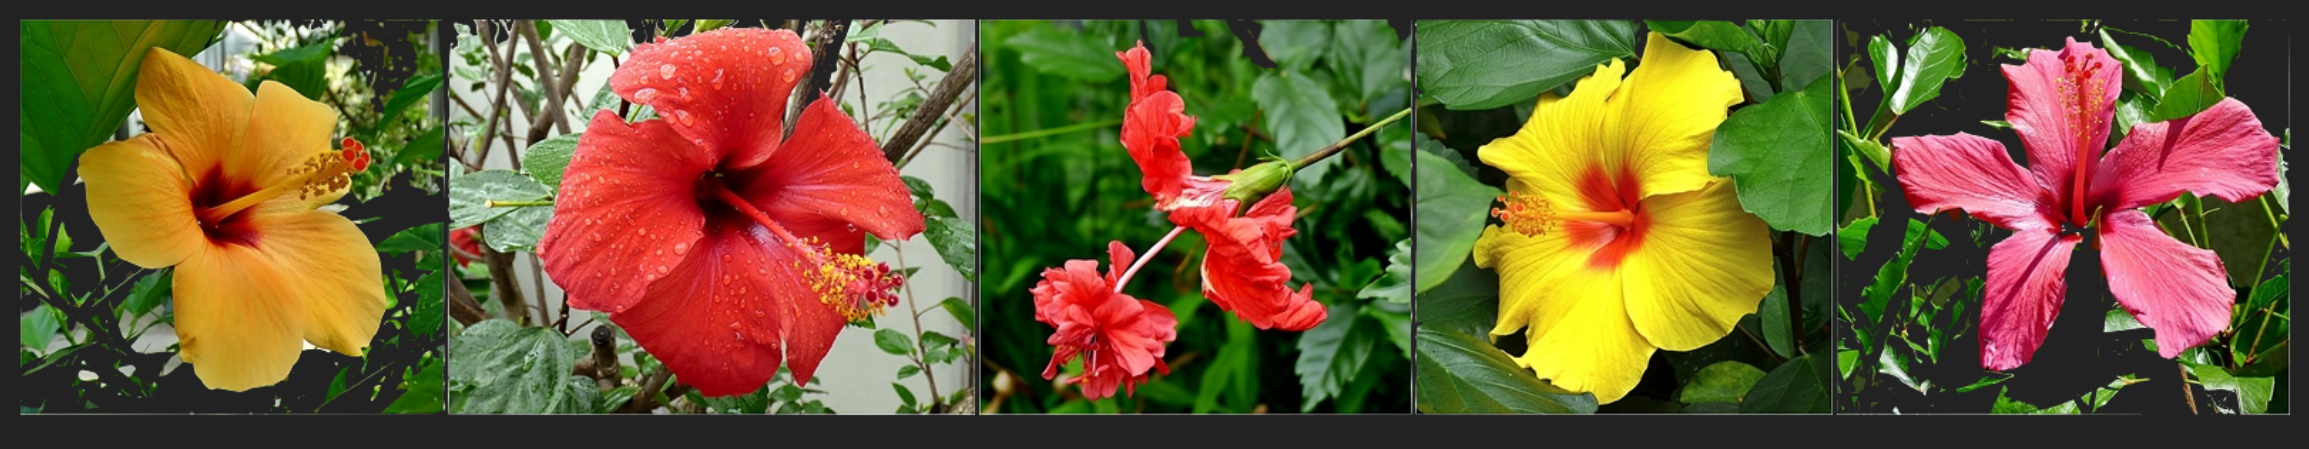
[(1665, 115), (1243, 270), (716, 319), (234, 323), (726, 89), (285, 130), (141, 201), (2222, 152), (330, 268), (2061, 104), (1526, 265), (627, 212), (1973, 174), (1151, 127), (1587, 343), (2026, 283), (201, 113), (1555, 153), (2177, 289), (835, 170), (1703, 263)]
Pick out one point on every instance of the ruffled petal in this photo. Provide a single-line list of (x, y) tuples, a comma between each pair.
[(201, 113), (1703, 263), (285, 130), (1120, 338), (1581, 338), (627, 212), (716, 319), (2026, 283), (834, 170), (330, 268), (2177, 289), (1151, 127), (1526, 265), (2221, 152), (1243, 271), (725, 90), (2061, 104), (1664, 117), (1556, 154), (141, 201), (234, 323), (1973, 174)]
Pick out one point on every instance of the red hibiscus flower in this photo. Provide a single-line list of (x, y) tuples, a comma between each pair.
[(721, 242), (1118, 337), (2061, 104), (1243, 271), (465, 241)]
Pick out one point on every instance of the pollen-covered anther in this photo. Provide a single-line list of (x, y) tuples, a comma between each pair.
[(857, 287), (331, 170), (1530, 215)]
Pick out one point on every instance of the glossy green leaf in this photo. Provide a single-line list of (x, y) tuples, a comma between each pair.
[(893, 342), (1301, 116), (150, 292), (1460, 373), (2188, 96), (2252, 392), (2142, 74), (423, 150), (547, 159), (78, 85), (1854, 237), (1726, 381), (425, 316), (496, 366), (1778, 154), (1934, 57), (606, 36), (1708, 34), (1806, 55), (413, 92), (961, 310), (425, 237), (957, 243), (1332, 354), (1846, 360), (1773, 315), (1799, 385), (517, 231), (1395, 285), (38, 327), (470, 195), (421, 390), (1451, 206), (1484, 64), (2214, 43)]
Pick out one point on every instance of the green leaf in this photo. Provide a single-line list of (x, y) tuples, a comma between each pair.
[(1846, 360), (1726, 381), (1370, 56), (2263, 329), (38, 327), (413, 92), (423, 150), (1332, 354), (1885, 59), (1934, 56), (517, 231), (2006, 405), (150, 292), (425, 316), (470, 194), (893, 342), (546, 160), (1395, 285), (1773, 316), (1776, 154), (1301, 116), (421, 391), (1067, 54), (616, 398), (1874, 152), (1806, 56), (1984, 382), (1460, 373), (426, 237), (2252, 392), (1894, 274), (606, 36), (905, 371), (1451, 207), (1484, 64), (1854, 237), (1799, 385), (961, 310), (1294, 44), (1467, 303), (957, 243), (500, 367), (2214, 43), (904, 395), (78, 85), (2188, 96), (704, 25), (2142, 74), (303, 68), (1708, 34)]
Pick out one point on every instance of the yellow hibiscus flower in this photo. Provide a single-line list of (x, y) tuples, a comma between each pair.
[(1616, 240), (225, 188)]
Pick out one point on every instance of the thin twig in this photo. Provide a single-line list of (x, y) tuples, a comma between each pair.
[(962, 78), (932, 136), (921, 347)]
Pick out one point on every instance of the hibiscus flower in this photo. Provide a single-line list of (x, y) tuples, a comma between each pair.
[(723, 243), (2061, 104), (1243, 271), (1615, 240), (1118, 337), (226, 188)]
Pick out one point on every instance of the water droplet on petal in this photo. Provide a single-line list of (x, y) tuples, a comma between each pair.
[(665, 71), (684, 117), (777, 55), (644, 94), (717, 78), (787, 75), (684, 93)]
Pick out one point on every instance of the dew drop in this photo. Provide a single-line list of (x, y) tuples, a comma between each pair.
[(777, 56), (665, 71), (684, 117), (717, 78), (685, 92), (681, 248), (644, 94), (787, 75)]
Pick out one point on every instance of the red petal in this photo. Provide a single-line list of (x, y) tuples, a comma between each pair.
[(2222, 152), (2172, 287), (2026, 283), (1139, 63), (1243, 271), (2061, 104), (627, 212), (1973, 174), (725, 89), (1151, 128), (715, 320), (835, 170), (1119, 337)]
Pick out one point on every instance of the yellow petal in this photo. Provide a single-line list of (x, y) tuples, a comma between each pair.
[(1578, 333), (1666, 114), (201, 113), (1559, 147), (329, 267), (235, 323), (141, 201), (284, 130), (1703, 263)]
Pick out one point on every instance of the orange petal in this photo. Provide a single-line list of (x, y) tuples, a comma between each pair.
[(328, 267), (284, 129), (141, 201), (200, 112), (235, 323)]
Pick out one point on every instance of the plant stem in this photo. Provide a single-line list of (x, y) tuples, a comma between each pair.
[(1335, 147), (987, 140), (1149, 255), (2274, 223), (2186, 392), (919, 346)]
